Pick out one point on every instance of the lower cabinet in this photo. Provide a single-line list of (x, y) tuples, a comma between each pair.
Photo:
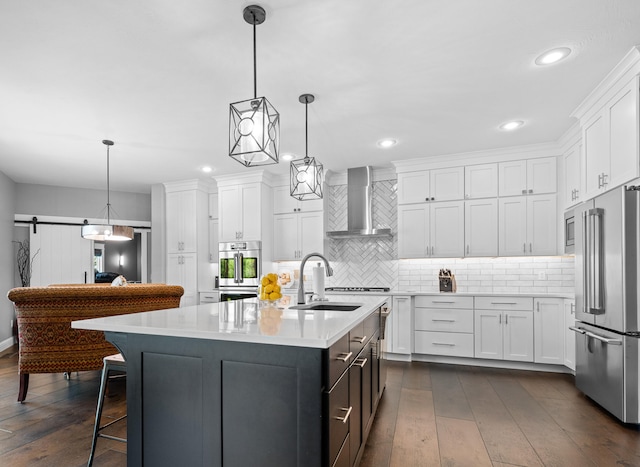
[(504, 328), (399, 326), (569, 335), (549, 330), (182, 269), (444, 325)]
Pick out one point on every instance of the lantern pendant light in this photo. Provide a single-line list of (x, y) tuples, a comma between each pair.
[(254, 124), (107, 232), (306, 175)]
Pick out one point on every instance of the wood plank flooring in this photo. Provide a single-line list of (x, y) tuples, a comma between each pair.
[(430, 414)]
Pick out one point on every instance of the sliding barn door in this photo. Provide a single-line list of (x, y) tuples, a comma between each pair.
[(62, 256)]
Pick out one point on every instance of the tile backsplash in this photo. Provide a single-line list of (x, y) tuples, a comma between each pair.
[(372, 261)]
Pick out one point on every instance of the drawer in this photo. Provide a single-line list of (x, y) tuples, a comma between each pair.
[(443, 301), (209, 297), (444, 343), (435, 319), (338, 357), (357, 339), (339, 412), (504, 303), (372, 324)]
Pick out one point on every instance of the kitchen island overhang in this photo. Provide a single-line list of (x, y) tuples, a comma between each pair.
[(233, 384)]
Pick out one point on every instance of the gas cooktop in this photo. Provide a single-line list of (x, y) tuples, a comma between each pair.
[(357, 289)]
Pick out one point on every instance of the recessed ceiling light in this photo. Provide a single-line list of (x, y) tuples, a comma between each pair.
[(206, 169), (387, 143), (511, 125), (553, 56), (287, 157)]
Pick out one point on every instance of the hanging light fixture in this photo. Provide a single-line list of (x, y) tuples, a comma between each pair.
[(254, 124), (306, 175), (107, 232)]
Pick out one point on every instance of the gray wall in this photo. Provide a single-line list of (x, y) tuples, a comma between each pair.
[(45, 200), (7, 249)]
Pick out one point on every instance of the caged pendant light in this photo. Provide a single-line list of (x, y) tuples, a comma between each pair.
[(107, 232), (254, 124), (306, 175)]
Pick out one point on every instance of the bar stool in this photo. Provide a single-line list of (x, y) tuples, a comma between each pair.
[(110, 363)]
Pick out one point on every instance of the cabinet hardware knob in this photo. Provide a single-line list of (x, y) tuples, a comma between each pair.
[(530, 191), (426, 199), (346, 417), (524, 192)]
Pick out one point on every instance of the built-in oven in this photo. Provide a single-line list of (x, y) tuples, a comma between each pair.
[(240, 266), (569, 232)]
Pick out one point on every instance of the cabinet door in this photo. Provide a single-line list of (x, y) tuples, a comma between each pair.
[(283, 202), (447, 184), (413, 187), (251, 211), (518, 336), (488, 334), (447, 229), (569, 335), (512, 226), (182, 269), (401, 315), (549, 330), (230, 216), (596, 149), (413, 231), (213, 241), (213, 206), (481, 227), (310, 233), (481, 181), (623, 125), (541, 175), (285, 237), (541, 225), (572, 176), (512, 178), (174, 222)]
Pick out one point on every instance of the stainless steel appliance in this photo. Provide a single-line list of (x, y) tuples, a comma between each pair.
[(240, 270), (607, 305), (569, 232)]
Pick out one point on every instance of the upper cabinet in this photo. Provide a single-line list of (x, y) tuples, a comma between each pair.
[(611, 142), (284, 203), (481, 181), (182, 221), (527, 225), (240, 211), (527, 177), (431, 185), (572, 176)]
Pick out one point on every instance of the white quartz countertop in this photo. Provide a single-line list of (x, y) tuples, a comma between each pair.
[(244, 321), (462, 294)]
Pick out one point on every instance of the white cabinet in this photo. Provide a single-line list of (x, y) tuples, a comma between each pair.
[(284, 203), (481, 227), (297, 234), (181, 221), (214, 246), (240, 212), (572, 176), (569, 335), (431, 230), (527, 225), (611, 142), (504, 328), (182, 270), (549, 330), (431, 185), (481, 181), (399, 326), (526, 177), (213, 206), (443, 325)]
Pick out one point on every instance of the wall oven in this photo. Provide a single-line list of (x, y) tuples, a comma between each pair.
[(240, 266)]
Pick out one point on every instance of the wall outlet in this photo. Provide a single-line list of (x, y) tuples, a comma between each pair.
[(542, 276)]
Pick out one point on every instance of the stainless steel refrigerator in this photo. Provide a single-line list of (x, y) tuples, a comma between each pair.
[(607, 313)]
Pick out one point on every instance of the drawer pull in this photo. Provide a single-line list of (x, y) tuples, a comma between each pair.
[(346, 417), (345, 357), (444, 343), (504, 303), (442, 301), (361, 362), (444, 320), (360, 340)]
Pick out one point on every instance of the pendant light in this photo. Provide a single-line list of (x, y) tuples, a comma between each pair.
[(306, 175), (254, 124), (107, 232)]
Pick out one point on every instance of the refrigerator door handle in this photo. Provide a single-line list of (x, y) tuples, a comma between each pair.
[(585, 262), (597, 277), (606, 340)]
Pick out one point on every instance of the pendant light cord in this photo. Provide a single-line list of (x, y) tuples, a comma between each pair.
[(255, 66), (108, 200), (306, 129)]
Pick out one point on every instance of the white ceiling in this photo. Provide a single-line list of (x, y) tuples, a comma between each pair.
[(157, 77)]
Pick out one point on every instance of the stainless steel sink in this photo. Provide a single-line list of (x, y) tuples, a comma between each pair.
[(327, 306)]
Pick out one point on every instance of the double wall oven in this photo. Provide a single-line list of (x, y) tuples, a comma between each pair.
[(240, 270)]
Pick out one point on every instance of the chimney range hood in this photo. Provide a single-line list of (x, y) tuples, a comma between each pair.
[(359, 207)]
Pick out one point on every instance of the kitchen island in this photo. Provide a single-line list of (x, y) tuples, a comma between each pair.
[(234, 384)]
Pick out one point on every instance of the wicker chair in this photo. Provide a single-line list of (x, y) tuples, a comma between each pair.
[(48, 344)]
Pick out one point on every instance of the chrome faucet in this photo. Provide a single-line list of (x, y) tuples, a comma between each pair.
[(329, 272)]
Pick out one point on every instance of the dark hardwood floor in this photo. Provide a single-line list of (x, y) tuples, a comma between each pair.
[(430, 414)]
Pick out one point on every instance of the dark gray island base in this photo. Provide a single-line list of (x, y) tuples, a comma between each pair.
[(206, 402)]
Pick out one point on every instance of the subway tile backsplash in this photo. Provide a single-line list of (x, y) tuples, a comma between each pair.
[(371, 262)]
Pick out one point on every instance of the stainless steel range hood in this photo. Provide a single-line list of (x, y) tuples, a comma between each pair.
[(359, 207)]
